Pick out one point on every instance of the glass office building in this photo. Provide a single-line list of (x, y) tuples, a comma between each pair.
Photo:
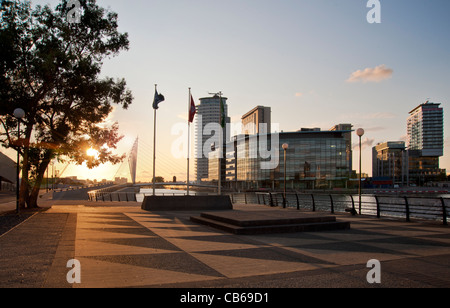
[(315, 159)]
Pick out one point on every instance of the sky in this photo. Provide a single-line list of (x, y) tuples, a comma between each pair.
[(316, 63)]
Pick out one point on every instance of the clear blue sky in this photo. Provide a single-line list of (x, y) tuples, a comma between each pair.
[(296, 56)]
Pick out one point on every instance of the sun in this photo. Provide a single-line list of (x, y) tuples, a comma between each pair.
[(92, 152)]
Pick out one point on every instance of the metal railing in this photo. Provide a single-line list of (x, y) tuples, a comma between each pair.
[(402, 207), (112, 194), (388, 206)]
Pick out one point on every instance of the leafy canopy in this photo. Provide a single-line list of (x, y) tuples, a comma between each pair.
[(51, 68)]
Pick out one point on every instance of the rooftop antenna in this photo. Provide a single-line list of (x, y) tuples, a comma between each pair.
[(216, 94)]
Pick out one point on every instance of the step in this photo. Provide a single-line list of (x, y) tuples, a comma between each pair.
[(268, 217), (270, 229)]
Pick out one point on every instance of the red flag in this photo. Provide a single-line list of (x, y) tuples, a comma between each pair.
[(192, 110)]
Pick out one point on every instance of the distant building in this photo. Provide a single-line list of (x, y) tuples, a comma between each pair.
[(315, 159), (425, 142), (348, 128), (8, 171), (426, 130), (390, 160), (257, 121), (417, 162), (120, 181), (208, 111)]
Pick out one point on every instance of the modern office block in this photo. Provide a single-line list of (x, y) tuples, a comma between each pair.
[(257, 121)]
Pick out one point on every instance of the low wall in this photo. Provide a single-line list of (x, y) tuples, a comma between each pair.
[(186, 203)]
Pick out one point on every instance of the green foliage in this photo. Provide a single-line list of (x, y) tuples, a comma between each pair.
[(50, 68)]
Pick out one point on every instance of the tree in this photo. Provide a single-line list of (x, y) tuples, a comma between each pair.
[(50, 68), (158, 179)]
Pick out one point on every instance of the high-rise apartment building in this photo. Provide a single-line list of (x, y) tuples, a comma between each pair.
[(208, 111), (426, 130), (425, 142), (251, 121)]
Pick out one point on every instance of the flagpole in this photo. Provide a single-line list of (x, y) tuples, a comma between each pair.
[(189, 139), (154, 149)]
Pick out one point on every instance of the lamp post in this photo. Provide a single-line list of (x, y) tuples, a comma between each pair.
[(285, 147), (360, 133), (19, 114)]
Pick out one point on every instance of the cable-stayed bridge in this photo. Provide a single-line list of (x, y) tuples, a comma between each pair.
[(139, 167)]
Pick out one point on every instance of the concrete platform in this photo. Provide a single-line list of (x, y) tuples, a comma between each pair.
[(270, 221), (187, 203)]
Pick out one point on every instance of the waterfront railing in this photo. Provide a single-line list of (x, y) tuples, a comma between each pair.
[(431, 208), (388, 206)]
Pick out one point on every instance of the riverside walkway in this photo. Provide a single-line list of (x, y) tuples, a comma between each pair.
[(119, 245)]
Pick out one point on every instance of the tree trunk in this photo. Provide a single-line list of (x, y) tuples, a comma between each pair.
[(34, 195), (24, 188)]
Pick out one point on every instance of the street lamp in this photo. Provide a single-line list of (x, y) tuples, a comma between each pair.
[(285, 147), (19, 114), (360, 132)]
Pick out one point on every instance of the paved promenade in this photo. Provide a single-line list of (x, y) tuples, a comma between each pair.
[(119, 245)]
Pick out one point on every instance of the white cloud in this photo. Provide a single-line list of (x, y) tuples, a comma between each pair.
[(376, 74)]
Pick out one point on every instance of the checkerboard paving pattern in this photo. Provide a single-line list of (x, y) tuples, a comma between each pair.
[(130, 247)]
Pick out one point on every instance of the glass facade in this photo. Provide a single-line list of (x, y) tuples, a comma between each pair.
[(316, 159), (389, 160)]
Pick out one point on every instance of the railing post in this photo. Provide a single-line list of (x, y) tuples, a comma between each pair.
[(313, 203), (360, 204), (298, 202), (245, 197), (444, 212), (284, 201), (332, 204), (353, 206), (407, 209), (270, 200), (378, 207)]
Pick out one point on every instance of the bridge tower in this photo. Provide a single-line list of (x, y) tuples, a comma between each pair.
[(132, 160)]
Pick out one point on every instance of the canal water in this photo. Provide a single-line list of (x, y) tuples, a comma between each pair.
[(159, 192)]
